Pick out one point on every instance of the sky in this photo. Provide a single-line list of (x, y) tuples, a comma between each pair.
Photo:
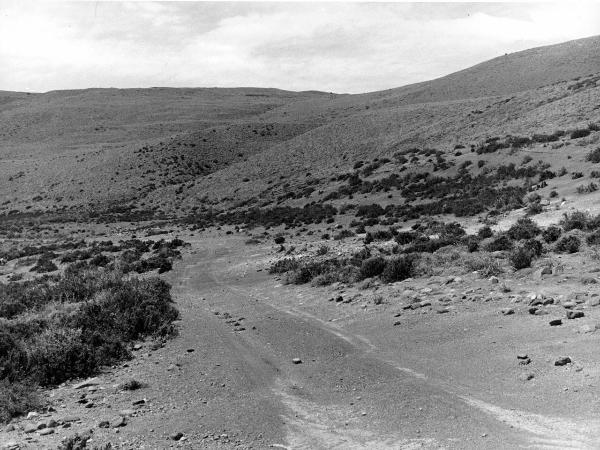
[(334, 47)]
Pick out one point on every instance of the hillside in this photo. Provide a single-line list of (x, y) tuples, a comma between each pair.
[(174, 149)]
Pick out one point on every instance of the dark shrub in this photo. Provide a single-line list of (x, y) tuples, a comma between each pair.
[(99, 260), (472, 245), (551, 234), (16, 399), (579, 133), (279, 240), (568, 244), (523, 228), (521, 258), (534, 208), (13, 358), (500, 243), (594, 238), (284, 265), (577, 220), (406, 237), (485, 232), (398, 269), (343, 235), (44, 264), (372, 267), (534, 246), (593, 156)]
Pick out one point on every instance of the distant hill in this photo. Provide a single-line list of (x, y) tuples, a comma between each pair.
[(173, 149)]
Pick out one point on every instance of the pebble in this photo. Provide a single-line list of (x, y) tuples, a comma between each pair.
[(47, 431), (119, 422), (297, 361), (575, 314), (507, 311), (555, 322), (176, 436), (562, 361), (526, 376)]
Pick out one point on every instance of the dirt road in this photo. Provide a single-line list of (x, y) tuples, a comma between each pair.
[(230, 379)]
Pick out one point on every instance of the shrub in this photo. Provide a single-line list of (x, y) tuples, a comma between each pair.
[(586, 189), (534, 208), (343, 234), (322, 250), (284, 265), (16, 399), (521, 258), (485, 232), (577, 220), (568, 244), (551, 234), (579, 133), (534, 246), (485, 265), (398, 269), (500, 243), (593, 156), (524, 228), (279, 240), (594, 238), (472, 245), (44, 265), (372, 267)]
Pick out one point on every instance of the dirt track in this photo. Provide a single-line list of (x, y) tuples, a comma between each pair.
[(436, 381)]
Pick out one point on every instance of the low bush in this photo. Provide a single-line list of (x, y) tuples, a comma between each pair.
[(279, 240), (524, 228), (485, 232), (551, 234), (485, 265), (593, 156), (398, 269), (372, 267), (579, 133), (521, 258), (500, 243), (594, 238), (72, 324), (534, 246), (568, 244)]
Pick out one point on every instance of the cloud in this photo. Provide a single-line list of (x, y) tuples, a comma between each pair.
[(341, 47)]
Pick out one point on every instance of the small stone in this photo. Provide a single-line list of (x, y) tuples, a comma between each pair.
[(119, 422), (397, 323), (555, 322), (526, 376), (137, 346), (297, 361), (176, 436), (40, 425), (32, 415), (11, 445), (103, 424), (522, 356), (191, 350), (87, 383), (507, 311), (30, 428), (126, 412), (564, 360), (575, 314), (494, 280), (52, 423), (47, 431)]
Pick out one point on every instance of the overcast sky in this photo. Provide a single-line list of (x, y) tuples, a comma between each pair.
[(339, 47)]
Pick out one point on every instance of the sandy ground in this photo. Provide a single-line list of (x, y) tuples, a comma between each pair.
[(370, 376)]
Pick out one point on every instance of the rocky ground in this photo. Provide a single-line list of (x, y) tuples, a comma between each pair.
[(449, 361)]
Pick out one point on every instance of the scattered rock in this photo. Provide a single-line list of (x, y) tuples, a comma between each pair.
[(564, 360), (32, 415), (297, 361), (30, 428), (11, 445), (507, 311), (494, 280), (526, 376), (137, 346), (555, 322), (47, 431), (176, 436), (575, 314), (103, 424), (119, 422), (40, 425), (87, 383)]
